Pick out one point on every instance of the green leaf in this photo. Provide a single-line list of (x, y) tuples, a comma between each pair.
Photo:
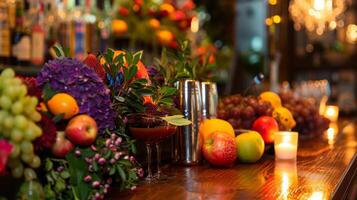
[(168, 91), (119, 59), (95, 166), (133, 148), (87, 152), (129, 58), (78, 169), (119, 98), (137, 57), (177, 120), (47, 92), (58, 118), (145, 91), (48, 165), (65, 174), (60, 185), (67, 52), (112, 171), (110, 55), (131, 73), (121, 173), (58, 50), (125, 163), (166, 101), (141, 81)]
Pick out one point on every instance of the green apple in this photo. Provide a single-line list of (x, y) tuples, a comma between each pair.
[(250, 146)]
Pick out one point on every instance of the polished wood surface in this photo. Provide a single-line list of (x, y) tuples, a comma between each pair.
[(323, 170)]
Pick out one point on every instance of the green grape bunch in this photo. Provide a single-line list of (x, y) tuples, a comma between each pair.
[(18, 117)]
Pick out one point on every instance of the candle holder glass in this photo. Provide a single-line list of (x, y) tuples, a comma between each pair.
[(285, 145)]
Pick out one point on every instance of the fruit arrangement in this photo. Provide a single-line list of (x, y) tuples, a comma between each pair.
[(18, 117), (309, 122), (289, 111), (221, 148), (241, 111)]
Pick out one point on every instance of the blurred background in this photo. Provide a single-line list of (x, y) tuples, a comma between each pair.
[(305, 45)]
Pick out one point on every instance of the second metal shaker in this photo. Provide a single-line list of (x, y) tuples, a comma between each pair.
[(188, 142)]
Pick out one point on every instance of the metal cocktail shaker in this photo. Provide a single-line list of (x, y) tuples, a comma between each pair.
[(187, 143), (209, 100)]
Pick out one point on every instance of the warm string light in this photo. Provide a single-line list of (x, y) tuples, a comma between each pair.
[(351, 33), (316, 15), (276, 19)]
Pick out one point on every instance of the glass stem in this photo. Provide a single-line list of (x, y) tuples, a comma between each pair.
[(158, 154), (148, 151)]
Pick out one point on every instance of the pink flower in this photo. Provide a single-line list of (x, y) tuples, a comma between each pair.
[(5, 150)]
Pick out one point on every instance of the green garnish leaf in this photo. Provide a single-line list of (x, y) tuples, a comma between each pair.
[(177, 120)]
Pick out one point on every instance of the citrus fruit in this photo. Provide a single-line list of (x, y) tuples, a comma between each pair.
[(250, 146), (63, 103), (208, 126), (119, 26), (166, 7), (165, 36), (154, 23), (272, 98), (284, 117)]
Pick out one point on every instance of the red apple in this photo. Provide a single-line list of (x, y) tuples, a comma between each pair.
[(62, 146), (266, 126), (220, 149), (82, 130)]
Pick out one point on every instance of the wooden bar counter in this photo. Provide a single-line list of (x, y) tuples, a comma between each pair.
[(325, 169)]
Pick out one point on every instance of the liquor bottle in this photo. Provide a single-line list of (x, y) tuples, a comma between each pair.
[(21, 40), (103, 26), (50, 26), (12, 13), (38, 38), (78, 32), (5, 44), (64, 25), (90, 27)]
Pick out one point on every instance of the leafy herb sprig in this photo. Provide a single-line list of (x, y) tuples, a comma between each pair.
[(127, 93), (183, 65)]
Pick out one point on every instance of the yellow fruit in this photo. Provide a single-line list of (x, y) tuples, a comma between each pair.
[(167, 8), (63, 103), (272, 98), (154, 23), (209, 126), (284, 117), (164, 36), (119, 26)]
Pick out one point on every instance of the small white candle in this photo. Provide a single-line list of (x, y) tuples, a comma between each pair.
[(285, 145), (285, 151)]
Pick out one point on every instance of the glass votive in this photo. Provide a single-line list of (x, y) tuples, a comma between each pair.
[(285, 145), (331, 113)]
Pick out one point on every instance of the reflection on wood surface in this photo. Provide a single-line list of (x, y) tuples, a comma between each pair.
[(320, 170)]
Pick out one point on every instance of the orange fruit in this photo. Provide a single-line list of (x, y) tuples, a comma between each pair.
[(166, 7), (272, 98), (119, 26), (63, 103), (165, 36), (154, 23), (208, 126)]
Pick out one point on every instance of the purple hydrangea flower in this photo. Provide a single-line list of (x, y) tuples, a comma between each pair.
[(75, 78)]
